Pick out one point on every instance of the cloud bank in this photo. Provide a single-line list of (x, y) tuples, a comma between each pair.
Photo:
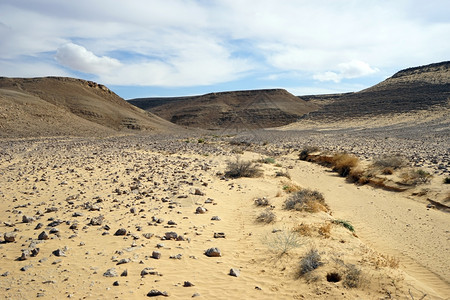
[(193, 43)]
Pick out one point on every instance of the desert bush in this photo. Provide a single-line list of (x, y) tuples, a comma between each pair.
[(390, 162), (325, 230), (352, 277), (262, 202), (267, 216), (303, 229), (306, 200), (238, 168), (267, 160), (304, 153), (283, 241), (283, 174), (290, 187), (346, 224), (343, 163), (310, 262), (415, 177)]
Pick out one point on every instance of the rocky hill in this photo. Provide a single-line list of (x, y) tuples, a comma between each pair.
[(413, 89), (238, 109), (67, 106)]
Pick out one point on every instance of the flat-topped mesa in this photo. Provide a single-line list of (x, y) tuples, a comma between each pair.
[(231, 109)]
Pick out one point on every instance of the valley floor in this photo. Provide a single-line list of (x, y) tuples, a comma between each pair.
[(81, 191)]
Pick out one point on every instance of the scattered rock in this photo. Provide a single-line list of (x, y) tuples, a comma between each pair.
[(120, 232), (147, 235), (97, 221), (200, 210), (171, 235), (199, 193), (188, 284), (124, 273), (24, 268), (9, 237), (110, 273), (59, 253), (148, 271), (116, 283), (27, 219), (123, 261), (155, 293), (156, 254), (215, 218), (219, 235), (235, 272), (213, 252)]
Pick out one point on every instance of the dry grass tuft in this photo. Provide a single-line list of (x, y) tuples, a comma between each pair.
[(290, 187), (310, 262), (282, 241), (390, 162), (415, 177), (343, 163), (267, 217), (306, 200), (325, 230), (262, 202), (304, 229), (238, 168)]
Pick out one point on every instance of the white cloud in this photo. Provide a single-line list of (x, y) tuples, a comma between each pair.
[(348, 70), (189, 43), (78, 58)]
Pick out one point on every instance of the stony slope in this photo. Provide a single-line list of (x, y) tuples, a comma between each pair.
[(238, 109), (413, 89), (66, 106)]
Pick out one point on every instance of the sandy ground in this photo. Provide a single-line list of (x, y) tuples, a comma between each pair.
[(151, 188)]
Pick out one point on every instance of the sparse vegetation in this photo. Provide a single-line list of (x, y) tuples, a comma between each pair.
[(267, 160), (346, 224), (306, 152), (290, 187), (306, 200), (390, 162), (238, 168), (415, 177), (352, 277), (267, 217), (283, 174), (283, 241), (325, 230), (262, 202), (343, 163), (304, 229), (310, 262)]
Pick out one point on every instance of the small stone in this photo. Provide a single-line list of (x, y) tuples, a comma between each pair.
[(195, 295), (74, 226), (27, 219), (215, 218), (116, 283), (188, 284), (213, 252), (200, 210), (97, 221), (123, 261), (171, 235), (110, 273), (25, 254), (38, 226), (171, 223), (59, 253), (199, 193), (160, 245), (147, 235), (5, 274), (43, 236), (9, 237), (156, 255), (124, 273), (24, 268), (148, 271), (235, 272), (120, 232), (155, 293), (178, 256), (219, 235)]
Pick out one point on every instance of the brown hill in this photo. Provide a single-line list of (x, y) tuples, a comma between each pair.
[(67, 106), (239, 109), (413, 89)]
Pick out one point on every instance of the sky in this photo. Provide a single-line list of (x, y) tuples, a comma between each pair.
[(150, 48)]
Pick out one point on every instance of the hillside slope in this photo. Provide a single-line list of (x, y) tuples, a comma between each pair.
[(67, 106), (238, 109), (413, 89)]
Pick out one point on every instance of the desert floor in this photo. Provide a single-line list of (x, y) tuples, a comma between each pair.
[(170, 198)]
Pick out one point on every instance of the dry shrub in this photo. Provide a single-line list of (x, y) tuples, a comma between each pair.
[(267, 216), (357, 175), (310, 262), (238, 168), (390, 162), (325, 230), (352, 277), (415, 177), (304, 229), (306, 200), (304, 154), (343, 163), (282, 241), (262, 201), (290, 187), (283, 174)]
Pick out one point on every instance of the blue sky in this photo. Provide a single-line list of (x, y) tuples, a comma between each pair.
[(141, 48)]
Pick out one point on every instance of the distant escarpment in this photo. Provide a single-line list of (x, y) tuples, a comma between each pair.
[(420, 88), (238, 109)]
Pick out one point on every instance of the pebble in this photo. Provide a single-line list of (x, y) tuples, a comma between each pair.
[(213, 252)]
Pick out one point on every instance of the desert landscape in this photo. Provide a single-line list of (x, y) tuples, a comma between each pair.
[(230, 195)]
